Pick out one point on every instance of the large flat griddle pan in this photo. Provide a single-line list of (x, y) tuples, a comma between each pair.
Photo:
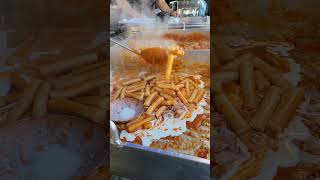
[(143, 163)]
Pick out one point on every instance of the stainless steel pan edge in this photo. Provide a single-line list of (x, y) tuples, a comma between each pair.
[(144, 163), (205, 29)]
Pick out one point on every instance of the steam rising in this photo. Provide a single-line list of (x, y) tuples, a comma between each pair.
[(150, 39), (149, 35), (135, 9), (138, 10)]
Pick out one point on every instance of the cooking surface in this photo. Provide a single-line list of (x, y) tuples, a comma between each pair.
[(122, 63), (174, 126)]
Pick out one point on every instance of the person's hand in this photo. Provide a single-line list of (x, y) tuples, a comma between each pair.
[(174, 13)]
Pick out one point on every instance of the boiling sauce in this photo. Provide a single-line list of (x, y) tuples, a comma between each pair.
[(155, 55)]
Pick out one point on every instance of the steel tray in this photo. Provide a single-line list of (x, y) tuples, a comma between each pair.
[(143, 163)]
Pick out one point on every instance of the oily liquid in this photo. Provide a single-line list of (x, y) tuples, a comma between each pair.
[(155, 56), (160, 60)]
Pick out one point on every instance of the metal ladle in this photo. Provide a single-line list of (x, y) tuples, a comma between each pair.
[(125, 47), (116, 107), (154, 55)]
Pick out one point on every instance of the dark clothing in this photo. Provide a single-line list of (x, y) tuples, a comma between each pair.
[(168, 1), (208, 7), (174, 6)]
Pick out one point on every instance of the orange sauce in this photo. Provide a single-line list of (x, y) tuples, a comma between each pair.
[(171, 138), (155, 55), (137, 140), (202, 153), (194, 40), (190, 37)]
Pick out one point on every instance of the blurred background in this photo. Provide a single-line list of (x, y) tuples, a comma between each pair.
[(20, 17), (32, 30)]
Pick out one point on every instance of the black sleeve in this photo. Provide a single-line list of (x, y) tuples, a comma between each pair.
[(208, 7)]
